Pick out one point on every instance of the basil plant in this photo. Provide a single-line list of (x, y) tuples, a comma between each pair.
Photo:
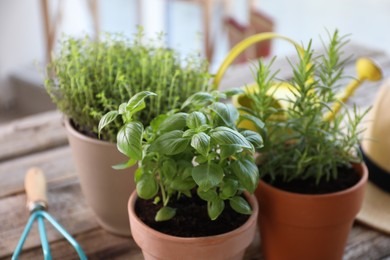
[(197, 147)]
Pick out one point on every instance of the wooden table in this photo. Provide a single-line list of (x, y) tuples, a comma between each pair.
[(40, 140)]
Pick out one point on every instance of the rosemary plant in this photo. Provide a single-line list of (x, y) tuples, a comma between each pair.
[(88, 78), (299, 142)]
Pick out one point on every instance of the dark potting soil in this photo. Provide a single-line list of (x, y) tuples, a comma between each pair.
[(191, 219), (346, 178), (83, 131)]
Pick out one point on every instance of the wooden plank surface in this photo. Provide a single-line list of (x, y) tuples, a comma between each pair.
[(57, 164), (31, 134)]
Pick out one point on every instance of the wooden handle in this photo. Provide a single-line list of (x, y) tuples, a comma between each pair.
[(35, 185)]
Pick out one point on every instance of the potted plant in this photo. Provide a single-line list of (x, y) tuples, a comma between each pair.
[(312, 175), (88, 78), (196, 170)]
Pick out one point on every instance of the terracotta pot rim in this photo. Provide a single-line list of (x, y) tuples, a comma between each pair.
[(361, 182), (69, 127), (206, 239)]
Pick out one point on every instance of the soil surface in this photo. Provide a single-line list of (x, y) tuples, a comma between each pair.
[(347, 177), (191, 218)]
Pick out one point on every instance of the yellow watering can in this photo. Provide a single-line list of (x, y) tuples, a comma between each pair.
[(280, 91)]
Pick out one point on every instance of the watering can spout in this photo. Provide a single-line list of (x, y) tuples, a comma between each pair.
[(366, 70)]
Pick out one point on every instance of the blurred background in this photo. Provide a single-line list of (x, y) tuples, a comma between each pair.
[(30, 30)]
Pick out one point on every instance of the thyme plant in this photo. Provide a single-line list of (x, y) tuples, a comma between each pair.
[(197, 147), (299, 142), (88, 78)]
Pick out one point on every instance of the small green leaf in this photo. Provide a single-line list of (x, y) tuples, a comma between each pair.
[(147, 187), (247, 173), (215, 208), (107, 119), (138, 174), (218, 95), (173, 122), (229, 150), (164, 214), (183, 185), (129, 140), (189, 133), (226, 112), (201, 143), (254, 138), (240, 205), (137, 100), (207, 175), (196, 119), (199, 99), (184, 169), (203, 128), (229, 189), (168, 169), (208, 195), (170, 143), (224, 136), (201, 159), (122, 108), (255, 120), (233, 92), (155, 123), (124, 165)]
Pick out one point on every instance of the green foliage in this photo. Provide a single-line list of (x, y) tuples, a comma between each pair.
[(299, 143), (88, 78), (195, 147)]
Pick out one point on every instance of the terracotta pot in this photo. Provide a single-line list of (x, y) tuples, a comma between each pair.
[(300, 226), (106, 190), (156, 245)]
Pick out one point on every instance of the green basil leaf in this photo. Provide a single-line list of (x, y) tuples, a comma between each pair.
[(184, 169), (183, 185), (189, 133), (218, 95), (124, 165), (228, 150), (225, 136), (208, 175), (226, 112), (129, 140), (208, 195), (138, 174), (199, 99), (229, 189), (173, 122), (107, 119), (254, 138), (240, 205), (255, 120), (201, 143), (203, 128), (233, 92), (147, 186), (155, 123), (165, 213), (122, 108), (196, 119), (169, 169), (247, 173), (215, 208), (137, 101), (201, 159), (170, 143)]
